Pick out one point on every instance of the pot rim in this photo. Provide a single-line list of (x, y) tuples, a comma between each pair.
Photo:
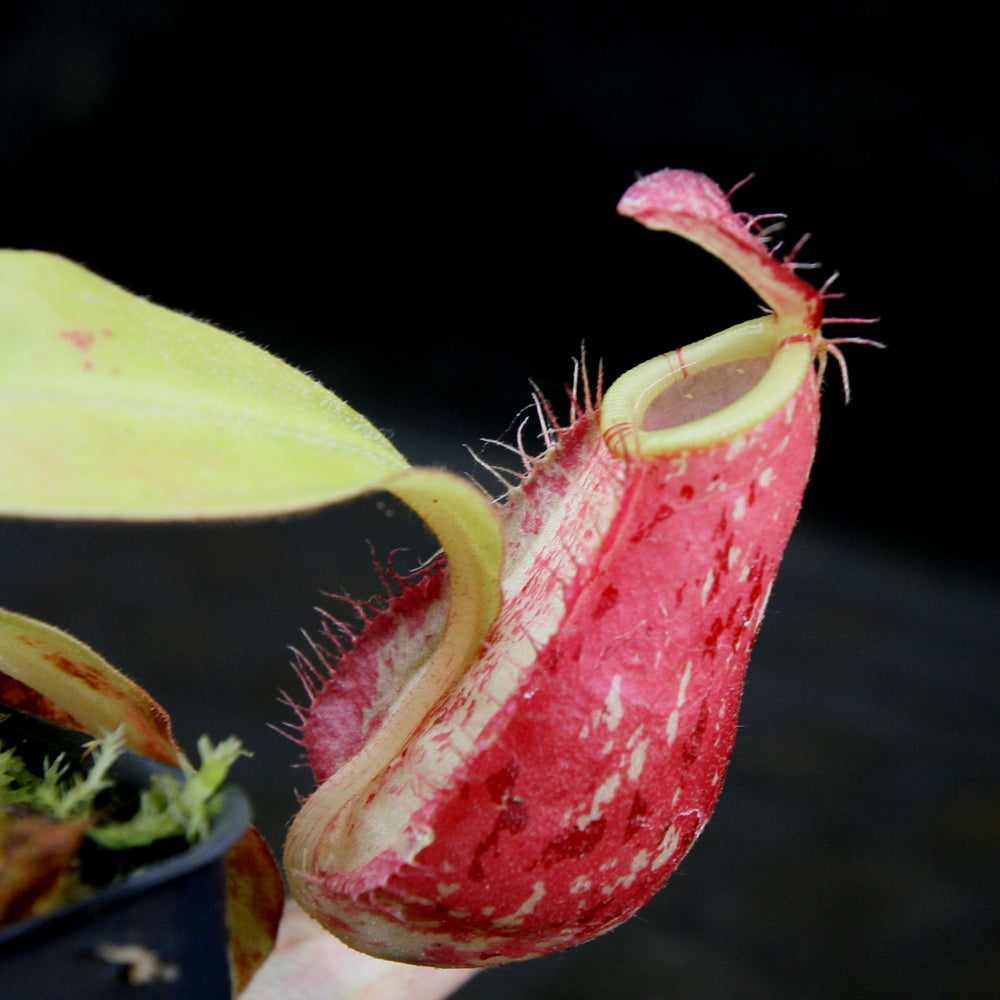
[(134, 771)]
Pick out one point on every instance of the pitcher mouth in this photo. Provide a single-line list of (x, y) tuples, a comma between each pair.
[(742, 376)]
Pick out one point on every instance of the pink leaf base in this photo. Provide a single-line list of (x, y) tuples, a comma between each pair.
[(308, 963)]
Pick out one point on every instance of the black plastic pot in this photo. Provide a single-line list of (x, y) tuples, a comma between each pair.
[(164, 923)]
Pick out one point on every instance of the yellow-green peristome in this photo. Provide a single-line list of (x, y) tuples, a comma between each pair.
[(711, 391)]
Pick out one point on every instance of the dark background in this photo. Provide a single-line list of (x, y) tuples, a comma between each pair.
[(418, 207)]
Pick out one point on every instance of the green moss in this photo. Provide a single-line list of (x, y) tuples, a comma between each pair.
[(170, 807)]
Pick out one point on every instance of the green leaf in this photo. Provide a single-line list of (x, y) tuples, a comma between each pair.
[(112, 407), (79, 688)]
